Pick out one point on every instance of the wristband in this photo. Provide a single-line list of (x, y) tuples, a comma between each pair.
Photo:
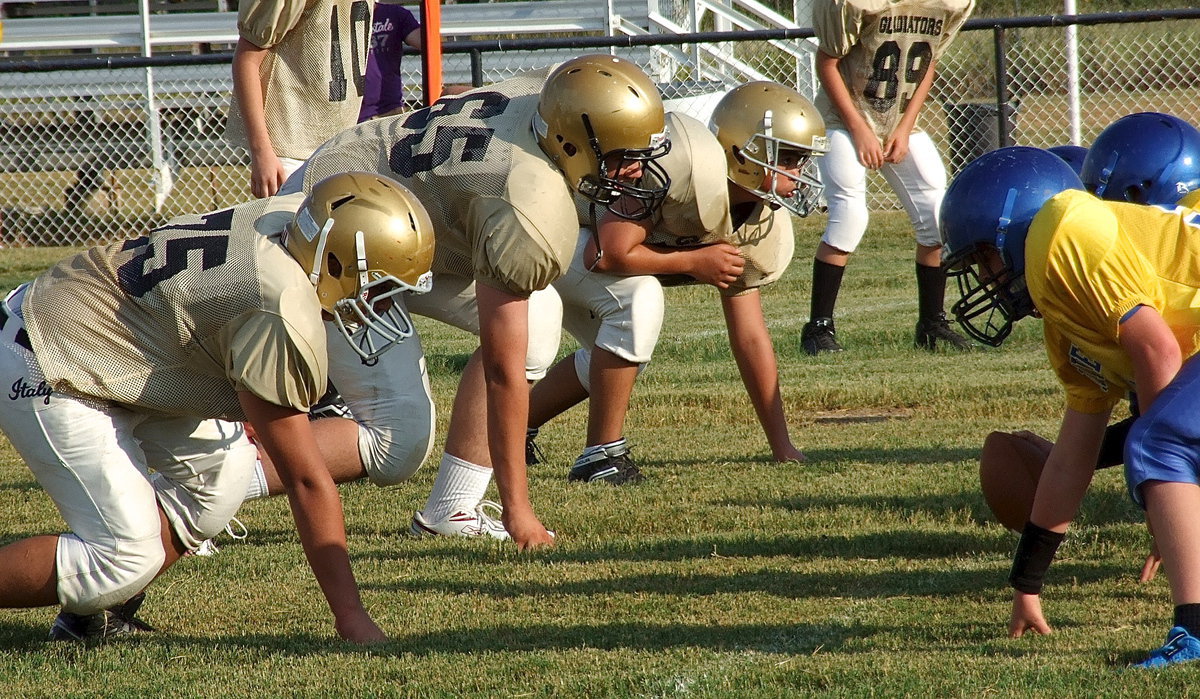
[(1032, 559)]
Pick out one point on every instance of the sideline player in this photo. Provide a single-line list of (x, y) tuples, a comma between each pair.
[(298, 72), (729, 227), (1116, 287), (876, 63), (496, 168), (123, 418)]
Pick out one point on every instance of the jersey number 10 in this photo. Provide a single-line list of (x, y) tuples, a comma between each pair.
[(360, 40)]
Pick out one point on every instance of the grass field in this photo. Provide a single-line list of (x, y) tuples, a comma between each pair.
[(873, 569)]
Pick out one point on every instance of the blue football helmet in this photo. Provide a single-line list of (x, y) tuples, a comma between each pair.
[(1144, 158), (1074, 156), (985, 218)]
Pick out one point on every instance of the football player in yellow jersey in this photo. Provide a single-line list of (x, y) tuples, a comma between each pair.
[(1144, 158), (1116, 287), (729, 227), (131, 366)]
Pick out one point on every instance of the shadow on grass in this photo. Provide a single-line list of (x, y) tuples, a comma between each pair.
[(767, 638), (830, 458), (888, 583)]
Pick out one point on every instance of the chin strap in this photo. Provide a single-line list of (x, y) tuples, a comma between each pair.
[(322, 238)]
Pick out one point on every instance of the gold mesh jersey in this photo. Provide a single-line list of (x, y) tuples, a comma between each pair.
[(696, 210), (313, 75), (179, 320), (502, 212), (886, 47)]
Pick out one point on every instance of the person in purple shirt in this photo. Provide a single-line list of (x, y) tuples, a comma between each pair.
[(392, 26)]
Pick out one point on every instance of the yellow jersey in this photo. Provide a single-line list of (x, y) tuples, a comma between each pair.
[(1090, 262)]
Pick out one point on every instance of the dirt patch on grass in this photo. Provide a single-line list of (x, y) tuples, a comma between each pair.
[(860, 415)]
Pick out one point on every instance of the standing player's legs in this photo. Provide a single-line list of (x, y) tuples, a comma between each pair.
[(1162, 470), (920, 183), (455, 506), (845, 181)]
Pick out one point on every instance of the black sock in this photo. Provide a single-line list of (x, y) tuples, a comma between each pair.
[(827, 281), (1188, 616), (931, 291)]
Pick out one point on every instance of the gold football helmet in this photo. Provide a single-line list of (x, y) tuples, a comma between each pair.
[(767, 129), (596, 116), (363, 239)]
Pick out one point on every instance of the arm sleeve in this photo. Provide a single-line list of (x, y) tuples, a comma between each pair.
[(265, 22), (270, 358), (836, 23)]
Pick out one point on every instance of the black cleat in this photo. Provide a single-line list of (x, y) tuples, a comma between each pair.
[(533, 453), (614, 470), (118, 620), (819, 336), (931, 333)]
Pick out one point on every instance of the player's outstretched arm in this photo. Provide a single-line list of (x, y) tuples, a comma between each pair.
[(1064, 481), (286, 435), (754, 353), (503, 340)]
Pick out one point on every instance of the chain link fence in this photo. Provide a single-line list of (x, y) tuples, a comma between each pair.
[(85, 156)]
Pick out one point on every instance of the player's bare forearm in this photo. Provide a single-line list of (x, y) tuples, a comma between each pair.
[(504, 338), (750, 342), (1069, 470), (286, 436)]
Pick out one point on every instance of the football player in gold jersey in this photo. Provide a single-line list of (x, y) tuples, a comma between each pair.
[(131, 366), (1116, 286), (729, 227), (496, 168), (298, 79), (876, 63)]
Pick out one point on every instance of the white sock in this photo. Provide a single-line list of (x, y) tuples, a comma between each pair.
[(459, 485), (258, 483)]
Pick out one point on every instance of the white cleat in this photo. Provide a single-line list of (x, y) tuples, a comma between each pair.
[(476, 522)]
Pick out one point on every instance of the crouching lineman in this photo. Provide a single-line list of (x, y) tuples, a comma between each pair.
[(1144, 158), (1116, 286), (496, 167), (729, 227), (129, 419)]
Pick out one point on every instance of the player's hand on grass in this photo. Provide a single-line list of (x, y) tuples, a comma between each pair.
[(359, 628), (788, 453), (1026, 615), (719, 264), (526, 530)]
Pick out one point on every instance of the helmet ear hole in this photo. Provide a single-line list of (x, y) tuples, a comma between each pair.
[(737, 155), (334, 265), (570, 149)]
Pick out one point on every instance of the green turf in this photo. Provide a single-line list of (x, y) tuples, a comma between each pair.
[(873, 569)]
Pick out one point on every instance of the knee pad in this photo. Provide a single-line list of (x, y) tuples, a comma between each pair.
[(545, 332), (631, 322), (392, 452), (94, 576)]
